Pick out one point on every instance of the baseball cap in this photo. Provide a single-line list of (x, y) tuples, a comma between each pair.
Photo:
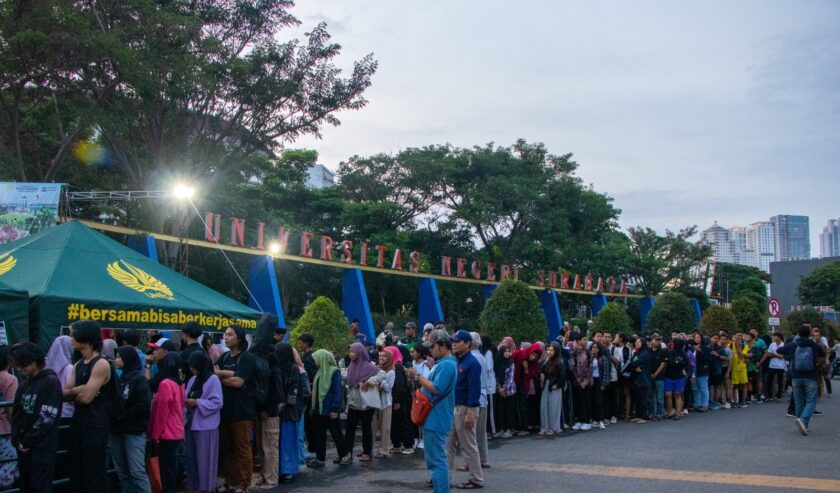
[(437, 336), (163, 343), (462, 335)]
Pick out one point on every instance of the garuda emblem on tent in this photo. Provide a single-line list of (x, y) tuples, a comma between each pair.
[(139, 280), (6, 263)]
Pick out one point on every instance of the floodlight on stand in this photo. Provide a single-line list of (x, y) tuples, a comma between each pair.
[(182, 191)]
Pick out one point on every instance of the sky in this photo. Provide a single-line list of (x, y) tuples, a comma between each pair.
[(684, 112)]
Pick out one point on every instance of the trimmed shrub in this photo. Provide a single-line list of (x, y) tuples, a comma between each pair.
[(514, 310)]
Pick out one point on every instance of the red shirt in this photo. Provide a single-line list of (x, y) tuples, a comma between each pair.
[(167, 419)]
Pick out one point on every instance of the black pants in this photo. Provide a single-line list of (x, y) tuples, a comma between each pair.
[(827, 380), (88, 464), (534, 410), (583, 413), (354, 416), (504, 411), (596, 401), (521, 408), (320, 425), (402, 429), (168, 457), (37, 469), (774, 382), (639, 396), (611, 406), (309, 429), (567, 406)]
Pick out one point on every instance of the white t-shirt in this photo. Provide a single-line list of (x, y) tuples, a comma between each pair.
[(776, 363)]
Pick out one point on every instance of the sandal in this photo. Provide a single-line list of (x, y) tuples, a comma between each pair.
[(364, 458), (469, 485)]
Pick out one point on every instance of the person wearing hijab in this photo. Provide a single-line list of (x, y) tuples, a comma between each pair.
[(268, 415), (505, 396), (640, 381), (551, 401), (203, 407), (291, 410), (60, 360), (382, 417), (166, 424), (127, 439), (402, 429), (109, 348), (325, 410), (363, 379)]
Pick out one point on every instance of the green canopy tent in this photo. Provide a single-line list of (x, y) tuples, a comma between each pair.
[(72, 272), (14, 314)]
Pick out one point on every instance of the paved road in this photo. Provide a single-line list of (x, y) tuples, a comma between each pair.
[(737, 450)]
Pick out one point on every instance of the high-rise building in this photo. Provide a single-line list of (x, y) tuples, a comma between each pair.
[(761, 243), (791, 237), (738, 246), (830, 239), (319, 176), (719, 239)]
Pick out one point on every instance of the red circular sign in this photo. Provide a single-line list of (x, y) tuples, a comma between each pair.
[(774, 307)]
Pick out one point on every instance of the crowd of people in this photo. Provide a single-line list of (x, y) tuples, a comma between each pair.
[(206, 416)]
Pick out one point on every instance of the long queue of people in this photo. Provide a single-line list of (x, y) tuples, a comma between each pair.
[(209, 416)]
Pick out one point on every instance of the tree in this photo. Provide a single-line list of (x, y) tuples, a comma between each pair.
[(730, 275), (659, 261), (794, 320), (325, 321), (613, 318), (822, 286), (752, 288), (717, 318), (671, 313), (514, 310), (748, 315), (694, 293)]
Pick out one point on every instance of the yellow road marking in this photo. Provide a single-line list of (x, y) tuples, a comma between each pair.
[(757, 480)]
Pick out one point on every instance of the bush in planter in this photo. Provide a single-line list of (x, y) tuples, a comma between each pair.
[(514, 310), (326, 322), (717, 317), (613, 318)]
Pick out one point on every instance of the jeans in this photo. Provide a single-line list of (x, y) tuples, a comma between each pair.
[(657, 399), (701, 392), (129, 455), (436, 462), (805, 398)]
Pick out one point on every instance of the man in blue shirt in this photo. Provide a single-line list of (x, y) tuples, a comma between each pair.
[(440, 389), (467, 408)]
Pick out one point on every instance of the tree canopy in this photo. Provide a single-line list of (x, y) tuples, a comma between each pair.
[(671, 313), (658, 261), (717, 318), (613, 318), (822, 286)]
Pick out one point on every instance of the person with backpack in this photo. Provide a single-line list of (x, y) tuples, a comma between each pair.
[(267, 395), (166, 421), (203, 406), (237, 370), (127, 441), (803, 355), (92, 388), (35, 418)]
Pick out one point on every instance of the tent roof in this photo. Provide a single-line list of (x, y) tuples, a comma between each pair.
[(71, 263)]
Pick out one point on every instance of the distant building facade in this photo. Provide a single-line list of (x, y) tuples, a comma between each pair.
[(830, 239), (761, 243), (792, 237), (319, 176)]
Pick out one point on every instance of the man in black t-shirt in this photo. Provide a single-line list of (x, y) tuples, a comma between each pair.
[(237, 371), (673, 366), (190, 332)]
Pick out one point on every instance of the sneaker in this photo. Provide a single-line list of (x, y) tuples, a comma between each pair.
[(685, 412), (577, 426), (601, 425), (817, 413), (613, 420), (420, 444), (789, 415), (314, 464), (407, 451), (727, 406), (416, 441), (803, 428), (586, 427)]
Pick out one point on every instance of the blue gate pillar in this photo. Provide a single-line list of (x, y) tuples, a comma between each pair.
[(428, 307), (488, 290), (553, 318), (354, 302), (698, 313), (144, 244), (262, 282), (599, 301), (645, 306)]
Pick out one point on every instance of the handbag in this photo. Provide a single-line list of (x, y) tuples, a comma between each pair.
[(153, 467), (421, 406)]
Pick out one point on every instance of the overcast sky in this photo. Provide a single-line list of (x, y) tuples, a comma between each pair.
[(726, 111)]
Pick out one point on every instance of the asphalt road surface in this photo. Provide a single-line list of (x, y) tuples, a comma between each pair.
[(732, 450)]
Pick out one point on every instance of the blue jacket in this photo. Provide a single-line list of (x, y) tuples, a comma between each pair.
[(332, 401), (468, 386)]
